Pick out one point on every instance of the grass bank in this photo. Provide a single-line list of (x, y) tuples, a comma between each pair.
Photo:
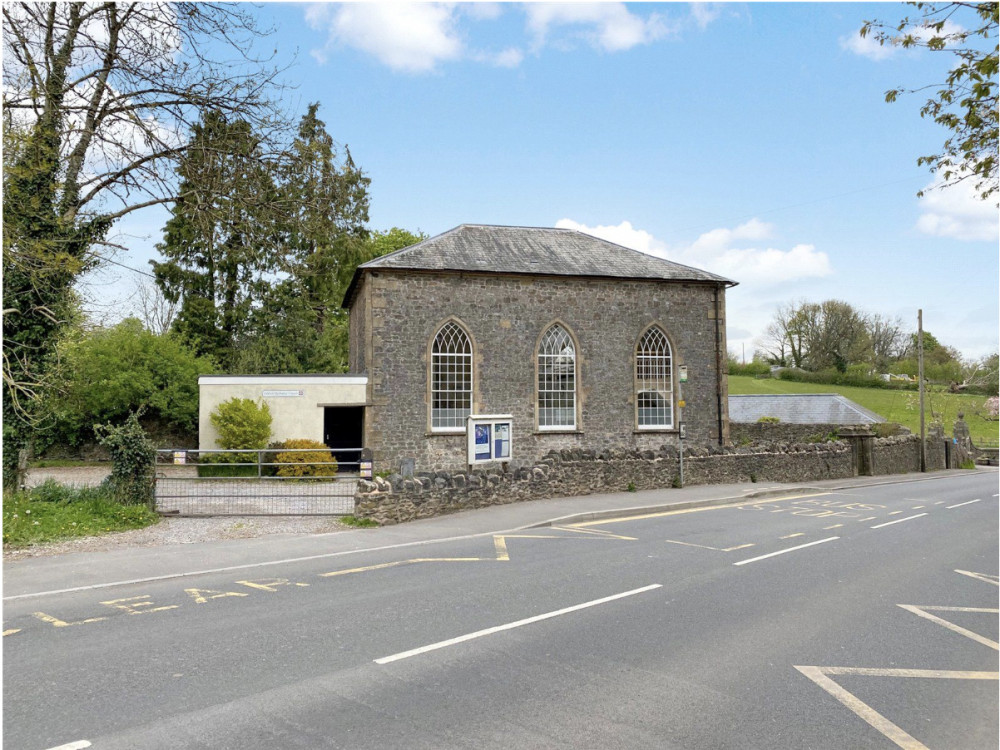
[(896, 406), (52, 512)]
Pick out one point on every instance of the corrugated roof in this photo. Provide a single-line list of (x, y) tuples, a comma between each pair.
[(532, 250), (800, 408)]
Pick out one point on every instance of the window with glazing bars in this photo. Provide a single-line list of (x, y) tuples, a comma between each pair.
[(451, 378), (653, 381), (556, 380)]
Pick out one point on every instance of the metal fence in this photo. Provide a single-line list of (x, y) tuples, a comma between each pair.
[(273, 481)]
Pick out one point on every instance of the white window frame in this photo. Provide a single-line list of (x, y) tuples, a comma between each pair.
[(450, 370), (654, 376), (551, 400)]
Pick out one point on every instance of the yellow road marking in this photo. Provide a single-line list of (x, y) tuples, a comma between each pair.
[(704, 546), (269, 584), (500, 544), (597, 532), (57, 623), (201, 596), (11, 632), (985, 577), (135, 607), (835, 526), (800, 533), (870, 518), (414, 561), (925, 612), (660, 514), (869, 714)]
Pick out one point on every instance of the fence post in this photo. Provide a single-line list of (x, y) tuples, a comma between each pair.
[(259, 457)]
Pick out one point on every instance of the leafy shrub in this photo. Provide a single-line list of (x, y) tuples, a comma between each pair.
[(754, 368), (108, 373), (833, 377), (769, 420), (242, 424), (309, 463), (222, 465), (133, 462)]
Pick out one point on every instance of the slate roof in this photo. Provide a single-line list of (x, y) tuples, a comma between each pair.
[(540, 251), (800, 408)]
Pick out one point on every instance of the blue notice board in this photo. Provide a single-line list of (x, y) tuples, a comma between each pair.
[(490, 438)]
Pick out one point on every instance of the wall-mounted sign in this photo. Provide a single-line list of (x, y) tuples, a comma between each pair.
[(282, 394), (683, 372), (489, 437)]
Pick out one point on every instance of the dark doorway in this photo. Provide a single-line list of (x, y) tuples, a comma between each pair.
[(343, 432)]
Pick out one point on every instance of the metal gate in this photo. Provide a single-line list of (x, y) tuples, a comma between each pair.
[(254, 483)]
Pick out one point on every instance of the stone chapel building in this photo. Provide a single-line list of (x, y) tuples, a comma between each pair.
[(584, 342)]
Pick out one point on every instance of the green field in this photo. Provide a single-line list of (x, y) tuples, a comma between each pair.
[(896, 406)]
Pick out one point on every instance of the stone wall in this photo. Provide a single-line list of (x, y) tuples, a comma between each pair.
[(747, 433), (896, 455), (505, 316), (571, 472)]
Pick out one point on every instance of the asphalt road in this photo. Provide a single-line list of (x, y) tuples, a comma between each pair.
[(862, 618)]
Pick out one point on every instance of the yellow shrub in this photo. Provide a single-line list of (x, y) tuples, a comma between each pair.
[(313, 463)]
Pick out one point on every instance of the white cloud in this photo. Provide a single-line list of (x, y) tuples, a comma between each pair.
[(869, 46), (866, 46), (607, 26), (767, 276), (958, 213), (508, 58), (736, 253), (408, 37), (704, 13)]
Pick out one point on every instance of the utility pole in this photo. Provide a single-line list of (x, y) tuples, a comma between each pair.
[(920, 387)]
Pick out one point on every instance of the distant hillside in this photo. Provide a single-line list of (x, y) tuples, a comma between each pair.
[(896, 406)]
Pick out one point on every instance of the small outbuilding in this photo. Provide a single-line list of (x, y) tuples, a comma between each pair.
[(800, 408), (326, 408)]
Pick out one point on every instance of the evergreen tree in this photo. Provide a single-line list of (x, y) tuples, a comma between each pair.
[(223, 241)]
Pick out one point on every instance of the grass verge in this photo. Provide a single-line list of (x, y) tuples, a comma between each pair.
[(896, 406), (53, 512), (361, 523)]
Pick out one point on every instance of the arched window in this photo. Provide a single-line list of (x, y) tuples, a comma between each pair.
[(556, 380), (654, 390), (451, 378)]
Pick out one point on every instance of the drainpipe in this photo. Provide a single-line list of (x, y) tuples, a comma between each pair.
[(718, 363)]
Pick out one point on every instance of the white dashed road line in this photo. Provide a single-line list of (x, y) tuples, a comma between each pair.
[(969, 502), (783, 551), (512, 625), (898, 520), (78, 745)]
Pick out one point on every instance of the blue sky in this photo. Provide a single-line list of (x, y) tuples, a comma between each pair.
[(752, 140)]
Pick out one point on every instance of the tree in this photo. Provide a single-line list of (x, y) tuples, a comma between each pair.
[(285, 335), (965, 104), (327, 200), (108, 373), (223, 241), (837, 337), (97, 99), (156, 312), (786, 339), (886, 338)]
